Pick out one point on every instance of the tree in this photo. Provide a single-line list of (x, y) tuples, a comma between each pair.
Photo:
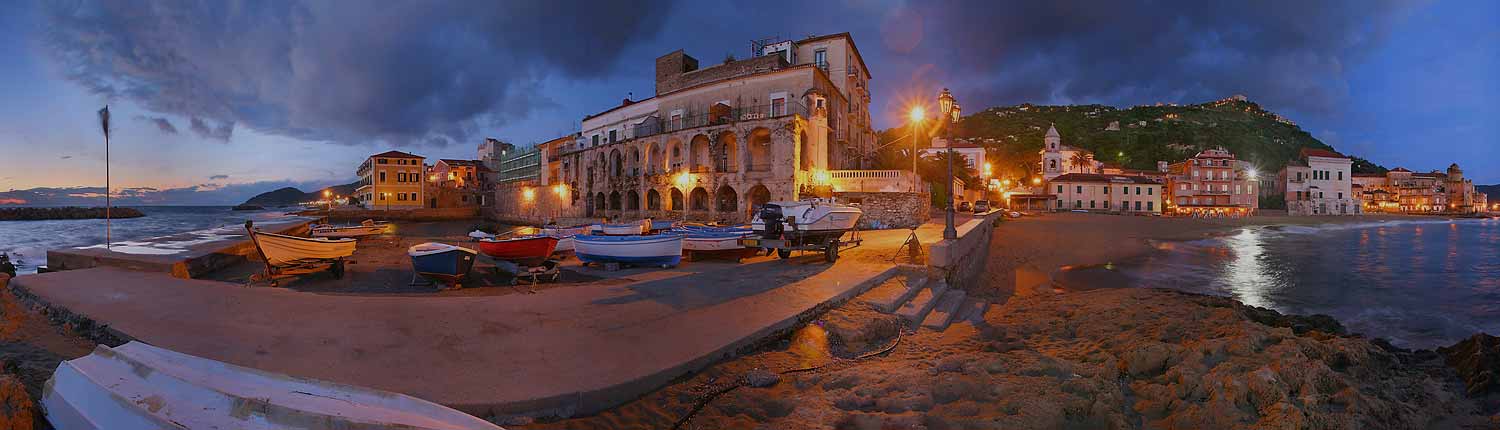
[(1081, 161)]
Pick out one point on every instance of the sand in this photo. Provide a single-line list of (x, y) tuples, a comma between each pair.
[(1048, 357)]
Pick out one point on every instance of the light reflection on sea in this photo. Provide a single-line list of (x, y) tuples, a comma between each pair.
[(1420, 284)]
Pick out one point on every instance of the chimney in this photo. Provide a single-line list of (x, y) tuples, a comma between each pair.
[(671, 66)]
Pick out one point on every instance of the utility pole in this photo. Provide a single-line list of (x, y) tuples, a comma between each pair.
[(104, 124)]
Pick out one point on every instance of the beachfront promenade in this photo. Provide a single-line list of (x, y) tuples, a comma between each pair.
[(564, 350)]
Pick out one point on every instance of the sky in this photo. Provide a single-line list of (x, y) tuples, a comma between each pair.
[(215, 101)]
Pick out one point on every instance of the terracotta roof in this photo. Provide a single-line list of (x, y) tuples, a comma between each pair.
[(1369, 175), (1400, 169), (1092, 177), (1314, 152), (452, 162), (395, 154)]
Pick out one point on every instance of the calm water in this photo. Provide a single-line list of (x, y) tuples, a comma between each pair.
[(28, 241), (1420, 284)]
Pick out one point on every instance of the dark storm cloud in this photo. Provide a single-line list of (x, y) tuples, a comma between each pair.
[(1289, 54), (400, 72), (162, 124)]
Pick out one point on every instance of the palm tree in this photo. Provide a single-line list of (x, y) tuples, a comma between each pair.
[(1080, 161)]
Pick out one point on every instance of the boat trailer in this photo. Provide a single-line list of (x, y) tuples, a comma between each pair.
[(549, 271), (784, 246)]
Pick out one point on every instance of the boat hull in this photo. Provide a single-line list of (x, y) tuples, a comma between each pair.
[(138, 386), (622, 229), (564, 244), (281, 250), (663, 250), (447, 263), (716, 242), (528, 251)]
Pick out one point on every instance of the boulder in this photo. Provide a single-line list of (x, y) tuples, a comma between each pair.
[(1477, 360), (17, 412)]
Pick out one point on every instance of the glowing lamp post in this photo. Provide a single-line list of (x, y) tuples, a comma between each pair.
[(916, 116), (950, 110)]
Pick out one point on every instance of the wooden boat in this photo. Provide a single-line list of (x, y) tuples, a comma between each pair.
[(629, 229), (564, 244), (662, 225), (138, 386), (324, 230), (697, 244), (524, 251), (290, 255), (443, 262), (663, 250)]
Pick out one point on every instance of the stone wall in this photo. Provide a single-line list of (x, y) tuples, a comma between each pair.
[(889, 210), (963, 259), (1323, 207), (678, 70)]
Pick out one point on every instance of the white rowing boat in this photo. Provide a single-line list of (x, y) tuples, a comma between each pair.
[(283, 250), (138, 386)]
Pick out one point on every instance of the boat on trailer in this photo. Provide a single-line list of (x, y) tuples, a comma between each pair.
[(807, 221), (442, 262), (663, 250), (286, 256), (137, 386)]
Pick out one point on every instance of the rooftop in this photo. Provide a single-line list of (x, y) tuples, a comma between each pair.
[(1092, 177), (1315, 152), (396, 154)]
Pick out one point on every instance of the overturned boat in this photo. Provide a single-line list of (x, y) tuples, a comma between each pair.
[(139, 386)]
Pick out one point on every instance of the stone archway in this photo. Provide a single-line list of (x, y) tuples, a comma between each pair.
[(614, 201), (676, 199), (758, 196), (726, 201), (699, 154), (653, 200), (726, 152), (632, 201), (698, 200), (759, 149), (599, 202), (676, 155), (634, 166), (654, 161)]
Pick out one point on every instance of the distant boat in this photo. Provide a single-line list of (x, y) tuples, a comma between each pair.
[(663, 250), (365, 228), (138, 386), (525, 251), (442, 262), (629, 229)]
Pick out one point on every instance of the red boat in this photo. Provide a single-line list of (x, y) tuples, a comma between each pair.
[(524, 251)]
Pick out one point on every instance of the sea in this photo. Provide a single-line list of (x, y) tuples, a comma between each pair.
[(27, 242), (1416, 283)]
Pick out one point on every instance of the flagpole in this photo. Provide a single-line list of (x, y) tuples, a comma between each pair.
[(104, 124)]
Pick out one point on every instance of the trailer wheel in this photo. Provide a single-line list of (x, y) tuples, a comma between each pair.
[(338, 269), (831, 253), (784, 253)]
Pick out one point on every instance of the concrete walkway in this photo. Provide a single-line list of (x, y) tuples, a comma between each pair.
[(568, 350)]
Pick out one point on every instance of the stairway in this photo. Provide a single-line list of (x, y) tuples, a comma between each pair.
[(923, 301)]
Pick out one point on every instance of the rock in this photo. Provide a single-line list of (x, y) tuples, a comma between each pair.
[(17, 412), (1477, 360), (1147, 360), (857, 328), (70, 212), (513, 420), (248, 208), (761, 378)]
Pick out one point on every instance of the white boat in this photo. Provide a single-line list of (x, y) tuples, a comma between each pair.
[(660, 250), (712, 241), (806, 221), (138, 386), (283, 250), (628, 229), (564, 244)]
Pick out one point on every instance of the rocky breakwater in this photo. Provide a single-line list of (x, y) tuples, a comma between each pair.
[(69, 212)]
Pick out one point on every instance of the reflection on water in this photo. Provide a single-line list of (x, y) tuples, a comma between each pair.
[(1410, 282)]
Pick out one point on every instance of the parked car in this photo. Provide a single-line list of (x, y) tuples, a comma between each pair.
[(981, 206), (964, 206)]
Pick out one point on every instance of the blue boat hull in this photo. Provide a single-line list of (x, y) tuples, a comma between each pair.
[(450, 266)]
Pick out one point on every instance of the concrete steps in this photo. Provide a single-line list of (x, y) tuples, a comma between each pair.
[(891, 294), (971, 310), (916, 309), (947, 308)]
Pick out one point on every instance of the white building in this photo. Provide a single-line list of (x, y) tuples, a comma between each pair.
[(973, 154), (1106, 193), (1059, 159), (1320, 183)]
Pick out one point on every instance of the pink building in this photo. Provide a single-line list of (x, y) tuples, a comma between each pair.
[(1212, 182)]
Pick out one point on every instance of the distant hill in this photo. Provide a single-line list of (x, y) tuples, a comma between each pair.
[(1493, 191), (1139, 136), (290, 196)]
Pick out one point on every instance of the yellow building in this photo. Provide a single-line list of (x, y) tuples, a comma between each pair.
[(391, 180)]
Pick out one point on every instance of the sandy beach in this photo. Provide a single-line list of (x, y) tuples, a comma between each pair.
[(1047, 357)]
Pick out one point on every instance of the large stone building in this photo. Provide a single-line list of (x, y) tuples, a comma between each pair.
[(1092, 192), (1319, 182), (1213, 182), (715, 142), (391, 180), (1404, 191)]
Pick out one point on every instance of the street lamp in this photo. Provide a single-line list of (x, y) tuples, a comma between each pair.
[(916, 117), (950, 114)]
